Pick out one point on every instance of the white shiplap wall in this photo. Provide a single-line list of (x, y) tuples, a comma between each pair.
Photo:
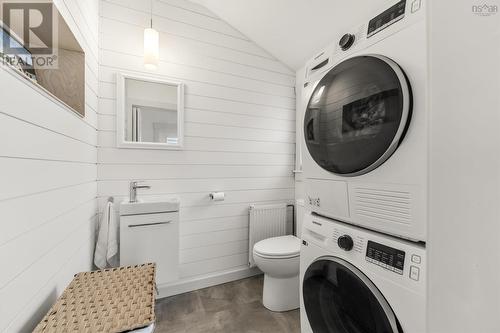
[(48, 191), (240, 127)]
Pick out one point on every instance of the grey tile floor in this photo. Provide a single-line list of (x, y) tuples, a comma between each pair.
[(233, 307)]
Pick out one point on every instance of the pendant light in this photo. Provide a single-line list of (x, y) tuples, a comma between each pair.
[(151, 45)]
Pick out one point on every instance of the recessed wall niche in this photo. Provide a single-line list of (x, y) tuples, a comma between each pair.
[(46, 52)]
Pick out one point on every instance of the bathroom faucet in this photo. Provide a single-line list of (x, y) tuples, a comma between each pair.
[(133, 190)]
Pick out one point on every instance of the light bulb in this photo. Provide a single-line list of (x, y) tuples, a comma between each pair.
[(151, 48)]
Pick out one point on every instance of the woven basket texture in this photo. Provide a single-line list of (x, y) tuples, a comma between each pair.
[(110, 300)]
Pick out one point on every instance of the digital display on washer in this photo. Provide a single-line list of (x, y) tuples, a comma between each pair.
[(391, 15), (386, 257)]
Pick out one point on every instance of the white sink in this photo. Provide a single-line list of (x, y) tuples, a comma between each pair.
[(149, 207)]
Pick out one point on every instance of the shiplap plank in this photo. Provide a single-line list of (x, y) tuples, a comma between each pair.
[(234, 145), (182, 53), (86, 18), (31, 246), (228, 119), (205, 83), (200, 213), (203, 199), (117, 156), (147, 172), (90, 11), (78, 27), (182, 70), (241, 133), (173, 186), (174, 13), (32, 106), (215, 103), (212, 225), (212, 238), (39, 303), (91, 99), (20, 291), (107, 106), (41, 176), (213, 265), (190, 6), (25, 140), (213, 251), (220, 131), (107, 139), (43, 208), (141, 19), (92, 77), (108, 122), (208, 212), (91, 116)]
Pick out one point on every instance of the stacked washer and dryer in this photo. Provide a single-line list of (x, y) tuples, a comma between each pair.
[(363, 257)]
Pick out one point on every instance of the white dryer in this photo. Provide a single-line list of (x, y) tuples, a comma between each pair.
[(365, 124), (356, 280)]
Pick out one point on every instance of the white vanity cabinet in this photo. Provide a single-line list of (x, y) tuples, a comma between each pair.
[(150, 234)]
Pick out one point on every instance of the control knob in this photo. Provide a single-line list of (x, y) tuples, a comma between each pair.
[(346, 41), (345, 242)]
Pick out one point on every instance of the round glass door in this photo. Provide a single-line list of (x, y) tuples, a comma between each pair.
[(339, 298), (357, 115)]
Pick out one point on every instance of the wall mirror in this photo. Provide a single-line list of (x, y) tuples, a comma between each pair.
[(150, 112)]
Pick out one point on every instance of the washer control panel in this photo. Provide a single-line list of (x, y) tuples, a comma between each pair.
[(401, 261), (386, 257)]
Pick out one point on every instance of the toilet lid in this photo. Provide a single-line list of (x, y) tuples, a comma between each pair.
[(284, 246)]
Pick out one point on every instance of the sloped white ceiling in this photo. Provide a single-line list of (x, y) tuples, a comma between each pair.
[(293, 30)]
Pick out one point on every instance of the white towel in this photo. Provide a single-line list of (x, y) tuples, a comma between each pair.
[(106, 250)]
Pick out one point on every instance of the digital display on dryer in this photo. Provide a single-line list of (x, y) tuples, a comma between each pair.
[(391, 15), (386, 257)]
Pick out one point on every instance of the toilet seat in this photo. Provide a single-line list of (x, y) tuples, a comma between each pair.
[(283, 247)]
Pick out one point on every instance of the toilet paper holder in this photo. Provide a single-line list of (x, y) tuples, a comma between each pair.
[(217, 196)]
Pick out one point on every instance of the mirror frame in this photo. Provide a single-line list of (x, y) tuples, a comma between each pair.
[(121, 113)]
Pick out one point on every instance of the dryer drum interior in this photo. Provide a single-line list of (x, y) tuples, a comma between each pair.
[(358, 115), (339, 298)]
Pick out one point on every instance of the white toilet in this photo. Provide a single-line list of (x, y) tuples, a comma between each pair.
[(279, 259)]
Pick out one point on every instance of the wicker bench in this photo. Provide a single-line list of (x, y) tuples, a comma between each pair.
[(111, 300)]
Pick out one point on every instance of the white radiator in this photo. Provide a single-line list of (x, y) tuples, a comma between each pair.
[(266, 221)]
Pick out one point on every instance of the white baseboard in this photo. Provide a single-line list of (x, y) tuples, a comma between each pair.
[(200, 282)]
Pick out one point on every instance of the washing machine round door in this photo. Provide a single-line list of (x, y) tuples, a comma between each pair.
[(358, 115), (339, 298)]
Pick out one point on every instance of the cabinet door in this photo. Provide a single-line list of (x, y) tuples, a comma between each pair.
[(151, 238)]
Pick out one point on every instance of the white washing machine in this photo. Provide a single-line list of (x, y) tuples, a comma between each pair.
[(356, 280), (365, 124)]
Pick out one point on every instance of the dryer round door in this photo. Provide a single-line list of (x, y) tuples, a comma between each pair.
[(339, 298), (358, 115)]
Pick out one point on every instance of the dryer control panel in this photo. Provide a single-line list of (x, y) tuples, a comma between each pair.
[(385, 19)]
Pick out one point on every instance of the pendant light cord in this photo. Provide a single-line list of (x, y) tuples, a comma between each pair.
[(151, 14)]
